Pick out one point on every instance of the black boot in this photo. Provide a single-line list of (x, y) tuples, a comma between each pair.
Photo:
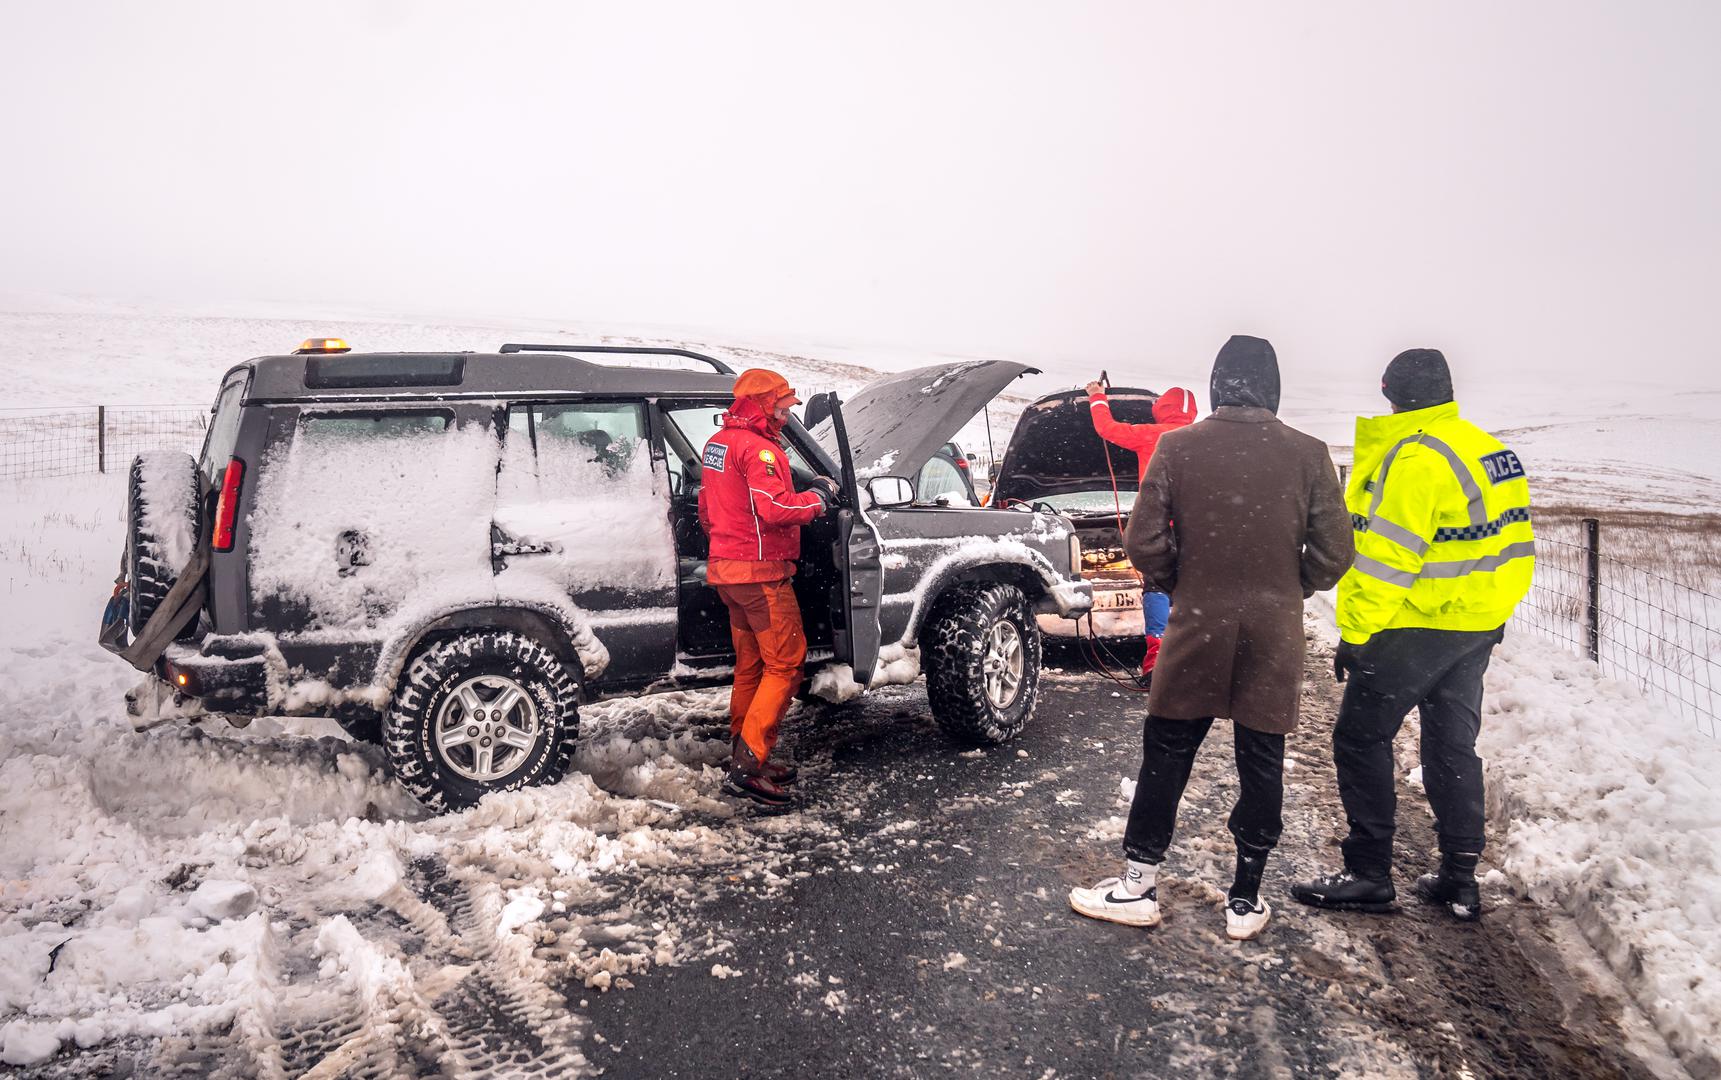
[(773, 771), (747, 780), (1454, 887), (1347, 891)]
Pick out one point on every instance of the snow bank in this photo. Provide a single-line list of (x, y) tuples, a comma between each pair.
[(1605, 804), (897, 665), (258, 895)]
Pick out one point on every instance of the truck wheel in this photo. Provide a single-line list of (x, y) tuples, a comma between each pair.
[(361, 722), (482, 712), (983, 661), (161, 530)]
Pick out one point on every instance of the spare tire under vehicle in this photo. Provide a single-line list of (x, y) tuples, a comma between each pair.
[(162, 522)]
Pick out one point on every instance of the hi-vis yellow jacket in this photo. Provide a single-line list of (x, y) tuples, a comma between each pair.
[(1441, 512)]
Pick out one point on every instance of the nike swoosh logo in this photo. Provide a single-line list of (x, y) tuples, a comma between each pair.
[(1114, 898)]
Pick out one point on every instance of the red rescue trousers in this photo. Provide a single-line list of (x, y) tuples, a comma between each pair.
[(770, 647)]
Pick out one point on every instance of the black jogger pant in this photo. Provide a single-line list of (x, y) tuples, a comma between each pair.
[(1439, 672), (1168, 749)]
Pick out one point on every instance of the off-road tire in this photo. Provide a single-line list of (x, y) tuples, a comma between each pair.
[(148, 573), (954, 644), (361, 722), (409, 727)]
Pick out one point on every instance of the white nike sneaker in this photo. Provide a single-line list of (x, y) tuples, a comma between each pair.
[(1108, 901), (1244, 920)]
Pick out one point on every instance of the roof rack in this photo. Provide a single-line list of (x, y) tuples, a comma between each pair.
[(639, 350)]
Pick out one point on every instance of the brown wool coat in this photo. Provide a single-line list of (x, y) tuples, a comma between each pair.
[(1239, 518)]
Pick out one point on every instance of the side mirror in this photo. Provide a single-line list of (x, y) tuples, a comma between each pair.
[(816, 411), (890, 492)]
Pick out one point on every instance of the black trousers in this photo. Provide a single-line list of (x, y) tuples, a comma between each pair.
[(1438, 672), (1168, 749)]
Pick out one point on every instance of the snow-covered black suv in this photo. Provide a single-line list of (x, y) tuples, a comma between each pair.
[(448, 552)]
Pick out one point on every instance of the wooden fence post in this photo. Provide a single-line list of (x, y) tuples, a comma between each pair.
[(1592, 579), (101, 438)]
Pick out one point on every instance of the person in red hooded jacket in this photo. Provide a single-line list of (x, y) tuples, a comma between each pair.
[(753, 515), (1171, 410)]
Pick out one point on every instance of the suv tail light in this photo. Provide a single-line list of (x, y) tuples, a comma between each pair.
[(227, 506)]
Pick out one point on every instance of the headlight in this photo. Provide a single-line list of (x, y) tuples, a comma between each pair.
[(1075, 555)]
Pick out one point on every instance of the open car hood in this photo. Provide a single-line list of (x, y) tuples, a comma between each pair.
[(895, 424), (1055, 450)]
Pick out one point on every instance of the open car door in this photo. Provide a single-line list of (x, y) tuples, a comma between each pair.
[(855, 637)]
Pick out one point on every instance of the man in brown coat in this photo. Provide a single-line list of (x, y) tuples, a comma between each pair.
[(1240, 519)]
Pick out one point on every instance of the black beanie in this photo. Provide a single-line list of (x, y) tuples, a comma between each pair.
[(1417, 379), (1246, 373)]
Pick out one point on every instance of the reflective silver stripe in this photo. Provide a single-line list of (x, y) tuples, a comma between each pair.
[(1478, 509), (1524, 549), (1374, 568), (1399, 535)]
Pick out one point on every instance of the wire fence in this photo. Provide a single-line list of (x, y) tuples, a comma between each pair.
[(1622, 605), (1640, 625), (96, 439)]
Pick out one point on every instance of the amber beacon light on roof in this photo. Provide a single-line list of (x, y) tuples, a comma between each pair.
[(315, 345)]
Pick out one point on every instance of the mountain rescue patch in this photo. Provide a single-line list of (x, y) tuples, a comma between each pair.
[(1501, 466), (715, 454), (770, 461)]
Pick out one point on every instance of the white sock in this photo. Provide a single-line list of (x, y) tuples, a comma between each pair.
[(1139, 877)]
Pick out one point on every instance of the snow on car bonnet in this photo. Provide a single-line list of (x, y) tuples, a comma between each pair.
[(913, 413)]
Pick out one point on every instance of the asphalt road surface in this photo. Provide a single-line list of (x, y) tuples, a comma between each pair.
[(928, 934)]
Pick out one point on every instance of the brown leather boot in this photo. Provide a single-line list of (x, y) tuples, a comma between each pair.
[(747, 780), (770, 770)]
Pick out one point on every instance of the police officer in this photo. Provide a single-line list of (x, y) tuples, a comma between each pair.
[(1441, 513)]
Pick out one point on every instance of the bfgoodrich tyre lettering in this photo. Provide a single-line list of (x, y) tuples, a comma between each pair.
[(976, 628), (495, 658)]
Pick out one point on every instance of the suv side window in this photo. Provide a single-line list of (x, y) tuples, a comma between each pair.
[(939, 476), (223, 433), (570, 440), (696, 424), (373, 426)]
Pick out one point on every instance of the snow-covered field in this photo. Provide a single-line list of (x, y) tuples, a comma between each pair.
[(1603, 803), (1632, 443), (185, 883)]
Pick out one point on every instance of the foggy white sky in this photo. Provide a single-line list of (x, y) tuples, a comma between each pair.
[(1526, 185)]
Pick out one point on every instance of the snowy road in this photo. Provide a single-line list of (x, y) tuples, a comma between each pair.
[(266, 903), (907, 920), (936, 939)]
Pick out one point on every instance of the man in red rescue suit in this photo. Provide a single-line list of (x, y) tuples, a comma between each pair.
[(1172, 410), (752, 513)]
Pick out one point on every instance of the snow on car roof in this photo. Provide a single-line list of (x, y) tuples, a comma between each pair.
[(284, 378)]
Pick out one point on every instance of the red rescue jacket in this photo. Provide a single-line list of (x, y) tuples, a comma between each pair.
[(1174, 409), (747, 502)]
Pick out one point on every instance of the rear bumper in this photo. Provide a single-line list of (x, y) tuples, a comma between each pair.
[(226, 684)]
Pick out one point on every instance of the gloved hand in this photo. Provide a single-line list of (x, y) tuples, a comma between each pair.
[(826, 489), (1346, 658)]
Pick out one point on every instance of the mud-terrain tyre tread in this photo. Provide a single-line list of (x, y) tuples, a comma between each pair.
[(148, 576), (409, 725), (953, 644)]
